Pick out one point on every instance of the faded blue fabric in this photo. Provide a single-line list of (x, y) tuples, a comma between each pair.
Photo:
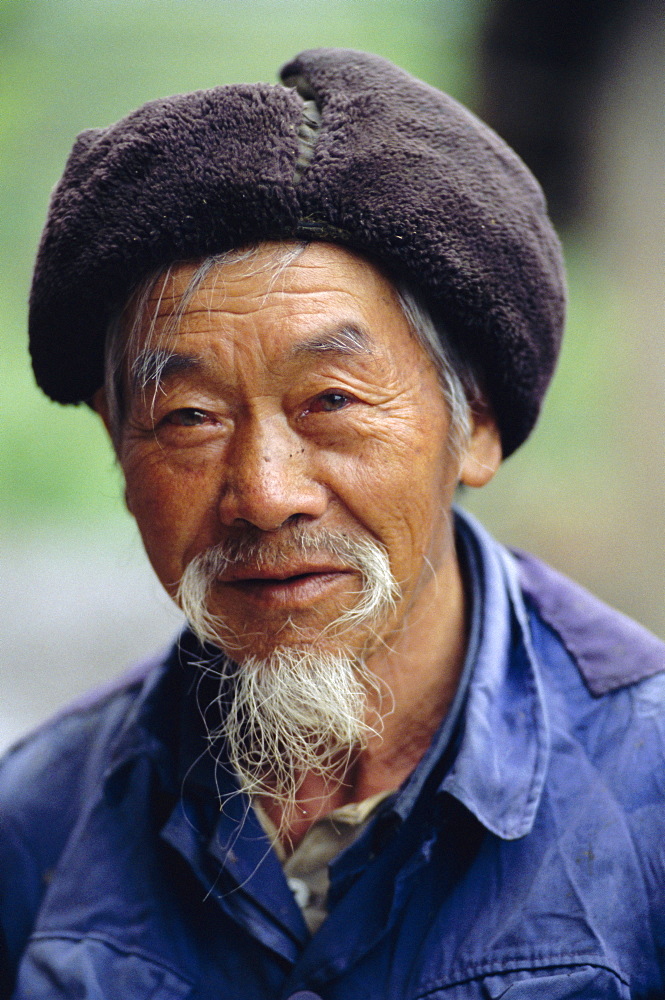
[(524, 857)]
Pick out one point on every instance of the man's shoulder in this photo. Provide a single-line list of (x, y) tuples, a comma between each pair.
[(610, 650), (603, 688), (48, 782), (51, 769), (600, 679), (603, 683)]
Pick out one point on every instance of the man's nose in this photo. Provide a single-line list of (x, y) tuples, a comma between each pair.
[(270, 476)]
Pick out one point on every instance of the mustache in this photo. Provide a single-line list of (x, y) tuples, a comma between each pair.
[(255, 549)]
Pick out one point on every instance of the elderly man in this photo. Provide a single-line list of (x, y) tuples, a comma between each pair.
[(387, 758)]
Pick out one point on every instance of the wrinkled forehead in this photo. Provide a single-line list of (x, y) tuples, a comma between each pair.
[(257, 268), (281, 277)]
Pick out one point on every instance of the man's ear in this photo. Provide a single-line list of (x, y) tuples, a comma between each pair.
[(101, 406), (483, 454)]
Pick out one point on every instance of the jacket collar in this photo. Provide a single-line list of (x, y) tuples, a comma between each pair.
[(499, 769)]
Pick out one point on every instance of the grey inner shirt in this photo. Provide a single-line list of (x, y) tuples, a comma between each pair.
[(306, 870)]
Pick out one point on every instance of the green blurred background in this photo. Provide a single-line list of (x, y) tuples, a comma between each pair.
[(587, 492)]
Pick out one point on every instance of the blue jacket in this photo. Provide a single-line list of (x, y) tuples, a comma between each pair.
[(523, 858)]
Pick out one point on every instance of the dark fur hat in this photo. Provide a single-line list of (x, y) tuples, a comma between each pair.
[(352, 150)]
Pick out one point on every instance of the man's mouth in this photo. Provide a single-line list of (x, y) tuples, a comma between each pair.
[(287, 586)]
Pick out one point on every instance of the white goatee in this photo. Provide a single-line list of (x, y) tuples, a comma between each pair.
[(302, 709)]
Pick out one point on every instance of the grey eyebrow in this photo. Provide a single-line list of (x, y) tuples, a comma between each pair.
[(155, 365), (345, 340)]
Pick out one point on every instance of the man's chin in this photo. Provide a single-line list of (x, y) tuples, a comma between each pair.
[(261, 638), (269, 649)]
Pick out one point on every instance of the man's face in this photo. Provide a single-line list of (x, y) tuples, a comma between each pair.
[(289, 398)]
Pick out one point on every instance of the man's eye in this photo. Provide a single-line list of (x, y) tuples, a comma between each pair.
[(186, 417), (328, 402)]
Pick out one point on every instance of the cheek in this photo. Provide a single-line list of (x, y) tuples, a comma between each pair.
[(172, 509), (400, 486)]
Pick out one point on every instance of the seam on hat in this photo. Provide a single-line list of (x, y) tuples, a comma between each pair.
[(310, 125), (308, 133)]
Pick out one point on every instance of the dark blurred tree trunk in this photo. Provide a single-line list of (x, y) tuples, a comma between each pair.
[(542, 63)]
